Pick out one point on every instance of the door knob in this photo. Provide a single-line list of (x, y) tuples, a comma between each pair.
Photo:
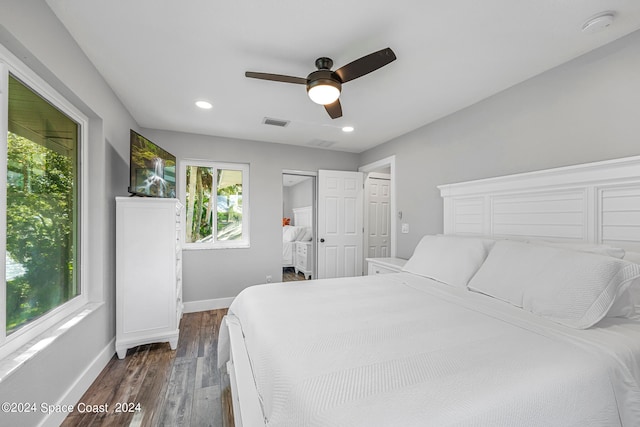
[(321, 240)]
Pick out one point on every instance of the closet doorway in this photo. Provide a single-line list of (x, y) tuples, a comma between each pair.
[(298, 225), (377, 200), (379, 210)]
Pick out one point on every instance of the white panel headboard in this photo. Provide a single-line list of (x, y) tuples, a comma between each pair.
[(594, 202), (303, 216)]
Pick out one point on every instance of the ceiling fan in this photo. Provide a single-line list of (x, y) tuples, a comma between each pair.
[(324, 85)]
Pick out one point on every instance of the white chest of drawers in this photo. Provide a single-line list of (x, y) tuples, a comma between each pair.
[(304, 259), (148, 272)]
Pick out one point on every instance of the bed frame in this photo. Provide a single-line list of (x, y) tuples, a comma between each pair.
[(302, 216), (595, 202)]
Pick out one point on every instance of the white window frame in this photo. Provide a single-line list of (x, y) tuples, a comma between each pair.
[(245, 242), (10, 64)]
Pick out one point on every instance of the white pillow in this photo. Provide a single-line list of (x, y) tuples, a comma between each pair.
[(624, 305), (290, 233), (576, 289), (632, 257), (448, 259), (625, 302), (505, 271), (307, 235), (634, 289), (585, 247)]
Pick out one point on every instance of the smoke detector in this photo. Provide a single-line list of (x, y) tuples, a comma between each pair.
[(598, 23)]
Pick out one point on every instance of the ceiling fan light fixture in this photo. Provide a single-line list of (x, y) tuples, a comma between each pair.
[(324, 86), (205, 105), (324, 91)]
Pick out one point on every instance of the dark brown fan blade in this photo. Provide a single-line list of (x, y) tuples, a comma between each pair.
[(276, 77), (334, 109), (365, 65)]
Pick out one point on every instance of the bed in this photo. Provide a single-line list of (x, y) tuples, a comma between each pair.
[(524, 312), (288, 249)]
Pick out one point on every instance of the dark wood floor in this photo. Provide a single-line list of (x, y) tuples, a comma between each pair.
[(163, 387), (289, 275)]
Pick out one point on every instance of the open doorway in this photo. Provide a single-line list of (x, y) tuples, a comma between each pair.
[(298, 225), (379, 209), (377, 221)]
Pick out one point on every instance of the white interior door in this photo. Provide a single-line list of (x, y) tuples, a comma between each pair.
[(340, 219), (377, 201)]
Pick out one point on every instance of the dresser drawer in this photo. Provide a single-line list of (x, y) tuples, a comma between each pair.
[(301, 263), (378, 269), (301, 250), (384, 265)]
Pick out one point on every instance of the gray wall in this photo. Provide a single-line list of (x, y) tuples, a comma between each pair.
[(221, 273), (31, 31), (583, 111), (297, 196)]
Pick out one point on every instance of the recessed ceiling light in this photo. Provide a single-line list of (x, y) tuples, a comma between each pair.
[(204, 105), (348, 129), (598, 23)]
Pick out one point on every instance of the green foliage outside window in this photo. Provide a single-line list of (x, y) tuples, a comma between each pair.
[(199, 203), (40, 235), (41, 207), (202, 200)]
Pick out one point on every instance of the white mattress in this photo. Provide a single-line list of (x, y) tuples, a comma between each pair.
[(402, 350)]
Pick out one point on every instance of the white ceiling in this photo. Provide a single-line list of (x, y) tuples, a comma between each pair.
[(160, 56)]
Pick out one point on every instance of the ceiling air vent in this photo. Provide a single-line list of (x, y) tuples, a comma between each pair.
[(321, 143), (275, 122)]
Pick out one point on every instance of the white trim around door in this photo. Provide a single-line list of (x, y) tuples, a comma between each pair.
[(387, 162)]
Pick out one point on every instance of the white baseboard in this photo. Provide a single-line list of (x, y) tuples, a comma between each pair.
[(208, 304), (82, 384)]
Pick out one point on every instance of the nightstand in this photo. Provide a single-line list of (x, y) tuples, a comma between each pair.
[(304, 259), (384, 265)]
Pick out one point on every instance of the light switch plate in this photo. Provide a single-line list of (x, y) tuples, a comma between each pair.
[(405, 228)]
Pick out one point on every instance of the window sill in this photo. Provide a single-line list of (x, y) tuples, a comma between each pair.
[(212, 247), (14, 361)]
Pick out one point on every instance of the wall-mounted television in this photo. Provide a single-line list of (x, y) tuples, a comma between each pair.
[(152, 170)]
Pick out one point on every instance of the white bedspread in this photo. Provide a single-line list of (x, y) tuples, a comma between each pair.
[(288, 249), (402, 350)]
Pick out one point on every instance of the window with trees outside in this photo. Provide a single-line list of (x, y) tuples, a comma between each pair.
[(42, 207), (216, 198)]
